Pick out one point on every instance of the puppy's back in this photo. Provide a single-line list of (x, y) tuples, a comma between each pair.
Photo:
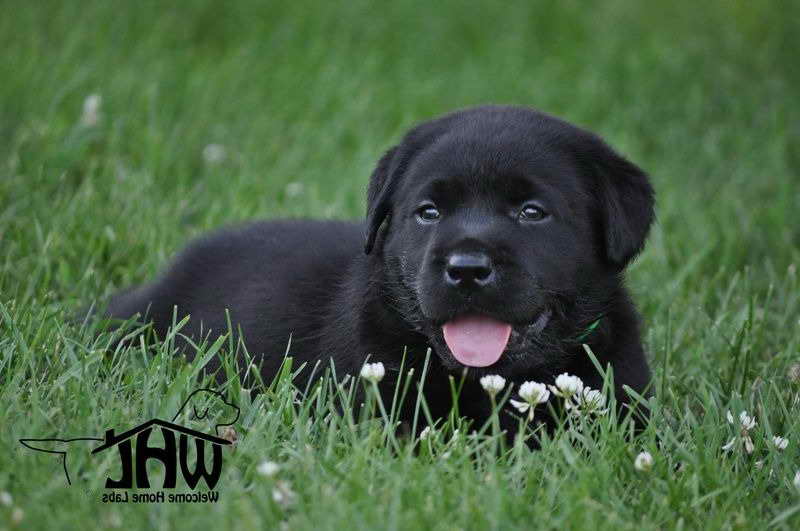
[(273, 278)]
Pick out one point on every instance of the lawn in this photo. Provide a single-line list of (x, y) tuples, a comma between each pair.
[(209, 113)]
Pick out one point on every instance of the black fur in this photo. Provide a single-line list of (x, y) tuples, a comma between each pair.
[(311, 281)]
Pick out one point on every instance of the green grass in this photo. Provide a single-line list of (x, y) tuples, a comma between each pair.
[(703, 95)]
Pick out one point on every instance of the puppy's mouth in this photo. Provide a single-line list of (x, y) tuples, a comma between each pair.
[(479, 340)]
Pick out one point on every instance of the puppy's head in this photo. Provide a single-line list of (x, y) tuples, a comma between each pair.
[(503, 232)]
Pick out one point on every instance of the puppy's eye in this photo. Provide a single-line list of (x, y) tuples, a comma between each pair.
[(532, 213), (428, 214)]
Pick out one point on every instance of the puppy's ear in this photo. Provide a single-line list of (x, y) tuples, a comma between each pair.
[(626, 200), (379, 195), (393, 165)]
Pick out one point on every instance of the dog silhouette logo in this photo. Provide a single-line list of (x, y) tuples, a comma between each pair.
[(134, 450)]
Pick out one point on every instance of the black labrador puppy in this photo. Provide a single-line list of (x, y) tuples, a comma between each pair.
[(497, 236)]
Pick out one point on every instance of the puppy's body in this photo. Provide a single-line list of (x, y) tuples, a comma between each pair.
[(490, 221)]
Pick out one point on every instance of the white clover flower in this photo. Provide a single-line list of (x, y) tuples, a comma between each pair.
[(522, 407), (593, 399), (493, 384), (746, 422), (588, 401), (794, 373), (643, 462), (534, 392), (283, 494), (214, 153), (17, 515), (780, 442), (294, 189), (567, 385), (427, 432), (797, 480), (373, 372), (91, 110), (268, 468), (748, 444), (727, 447), (114, 520), (6, 499), (229, 434)]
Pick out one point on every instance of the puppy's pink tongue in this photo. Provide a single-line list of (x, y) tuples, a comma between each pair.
[(476, 341)]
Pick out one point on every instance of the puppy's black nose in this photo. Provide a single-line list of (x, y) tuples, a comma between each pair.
[(468, 269)]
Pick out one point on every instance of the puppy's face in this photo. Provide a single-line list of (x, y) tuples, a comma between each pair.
[(506, 231)]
